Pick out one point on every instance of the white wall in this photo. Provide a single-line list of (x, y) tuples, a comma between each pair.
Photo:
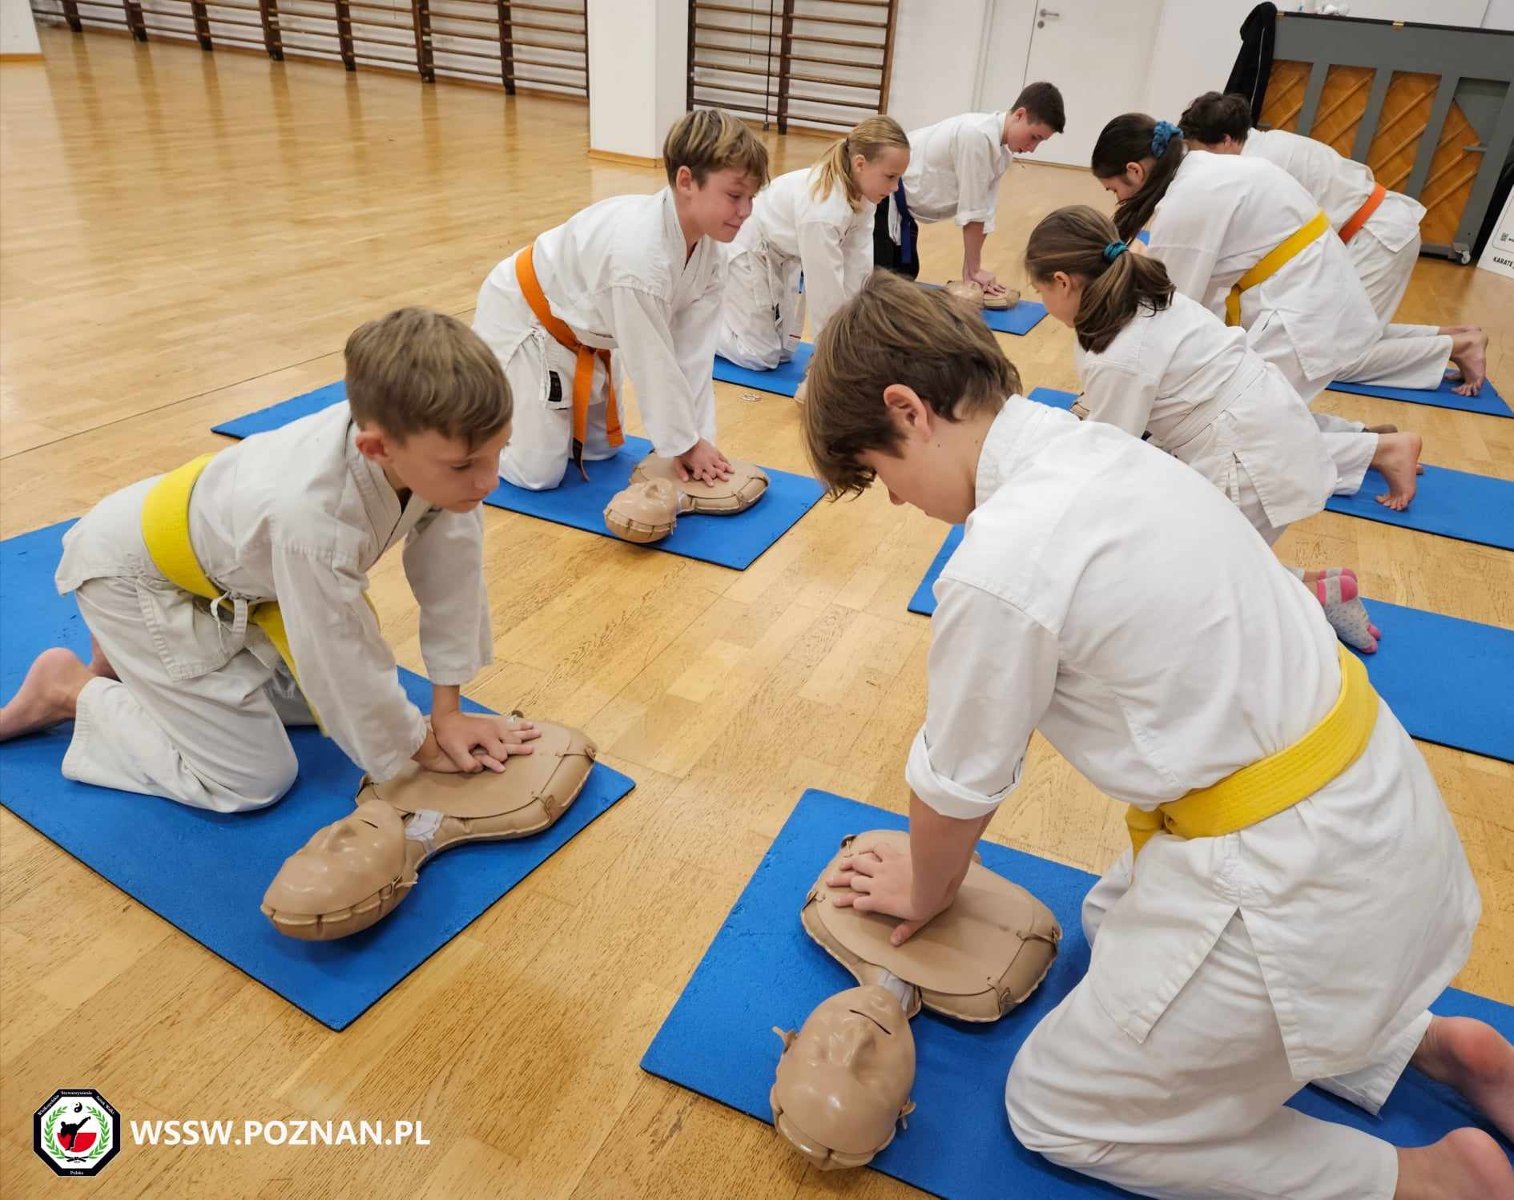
[(18, 32), (935, 60), (637, 89)]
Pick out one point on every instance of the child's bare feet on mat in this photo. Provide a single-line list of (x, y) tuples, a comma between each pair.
[(1466, 1164), (49, 694), (1469, 351), (1476, 1060), (1397, 458)]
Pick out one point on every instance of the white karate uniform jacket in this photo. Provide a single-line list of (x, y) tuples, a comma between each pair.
[(617, 273), (1109, 597), (954, 169), (1221, 215), (1208, 399), (296, 515), (789, 231)]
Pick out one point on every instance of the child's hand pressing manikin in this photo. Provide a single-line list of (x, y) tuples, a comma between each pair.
[(466, 743), (703, 463)]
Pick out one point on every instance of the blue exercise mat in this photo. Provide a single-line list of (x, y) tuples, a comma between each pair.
[(206, 872), (1487, 401), (762, 970), (735, 541), (1447, 680), (782, 380), (1019, 320), (1454, 504)]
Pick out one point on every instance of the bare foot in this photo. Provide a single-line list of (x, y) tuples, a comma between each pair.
[(1397, 458), (1466, 1164), (49, 694), (1469, 351), (1476, 1060)]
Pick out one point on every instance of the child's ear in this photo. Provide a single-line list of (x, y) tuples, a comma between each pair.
[(372, 444), (684, 179)]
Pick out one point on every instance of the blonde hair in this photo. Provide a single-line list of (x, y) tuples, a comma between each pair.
[(712, 140), (894, 332), (869, 137), (417, 370)]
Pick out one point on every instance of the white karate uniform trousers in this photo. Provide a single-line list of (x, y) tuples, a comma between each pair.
[(213, 741), (1413, 356), (761, 309), (1197, 1109)]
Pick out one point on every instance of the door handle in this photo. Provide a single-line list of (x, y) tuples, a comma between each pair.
[(1046, 12)]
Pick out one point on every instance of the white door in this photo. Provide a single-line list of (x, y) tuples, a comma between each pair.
[(1096, 51)]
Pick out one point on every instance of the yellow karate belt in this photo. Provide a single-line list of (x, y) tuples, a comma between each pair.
[(1277, 782), (165, 530), (1273, 261)]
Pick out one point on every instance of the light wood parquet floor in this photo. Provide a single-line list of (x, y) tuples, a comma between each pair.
[(186, 237)]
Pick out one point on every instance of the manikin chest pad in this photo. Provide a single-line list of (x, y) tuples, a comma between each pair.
[(972, 292), (985, 954), (355, 871), (648, 510)]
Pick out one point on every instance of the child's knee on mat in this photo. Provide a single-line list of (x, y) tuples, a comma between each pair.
[(259, 787), (534, 472), (1028, 1102)]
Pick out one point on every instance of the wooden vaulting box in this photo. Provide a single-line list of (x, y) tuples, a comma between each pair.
[(1430, 108)]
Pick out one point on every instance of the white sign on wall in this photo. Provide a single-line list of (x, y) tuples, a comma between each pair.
[(1498, 254)]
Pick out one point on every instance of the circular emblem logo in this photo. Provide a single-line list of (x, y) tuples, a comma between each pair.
[(76, 1131)]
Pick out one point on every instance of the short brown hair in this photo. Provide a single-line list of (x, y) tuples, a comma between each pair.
[(1117, 282), (417, 370), (1042, 103), (892, 332), (1213, 117), (712, 140)]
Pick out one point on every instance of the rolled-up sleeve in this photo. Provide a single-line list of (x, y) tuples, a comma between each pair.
[(992, 672), (976, 160)]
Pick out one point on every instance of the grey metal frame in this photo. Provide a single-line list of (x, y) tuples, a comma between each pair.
[(1457, 55)]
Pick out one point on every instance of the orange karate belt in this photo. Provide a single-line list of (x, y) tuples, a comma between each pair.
[(1361, 216), (583, 373)]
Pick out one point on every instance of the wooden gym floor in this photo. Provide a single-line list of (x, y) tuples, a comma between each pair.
[(187, 237)]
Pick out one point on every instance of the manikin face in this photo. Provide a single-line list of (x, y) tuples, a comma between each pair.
[(441, 470), (879, 179), (1127, 185), (923, 471), (1061, 294), (843, 1080), (1022, 133), (346, 861), (717, 207)]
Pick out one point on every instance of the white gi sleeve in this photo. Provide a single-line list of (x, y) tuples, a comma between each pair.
[(991, 674), (1118, 396), (346, 669), (975, 162), (1189, 266), (654, 359), (696, 329), (444, 562), (822, 255), (857, 253)]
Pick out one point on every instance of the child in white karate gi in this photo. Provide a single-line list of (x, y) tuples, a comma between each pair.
[(637, 275), (1111, 598), (177, 577), (1243, 238), (1380, 229), (954, 170), (817, 221)]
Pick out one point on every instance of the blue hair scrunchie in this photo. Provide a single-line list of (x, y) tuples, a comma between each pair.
[(1113, 251), (1161, 136)]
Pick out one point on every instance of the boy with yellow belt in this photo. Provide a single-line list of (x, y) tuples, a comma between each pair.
[(1300, 894), (638, 275), (227, 599)]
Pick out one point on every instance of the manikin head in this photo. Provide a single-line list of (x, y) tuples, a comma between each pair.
[(431, 405), (903, 385), (716, 166), (843, 1080), (1036, 115)]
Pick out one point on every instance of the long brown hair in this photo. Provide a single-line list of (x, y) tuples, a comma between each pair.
[(1135, 137), (869, 137), (1213, 117), (1117, 283)]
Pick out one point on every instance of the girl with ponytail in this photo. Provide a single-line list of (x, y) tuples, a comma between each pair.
[(817, 221), (1380, 230), (1245, 240), (1157, 365)]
